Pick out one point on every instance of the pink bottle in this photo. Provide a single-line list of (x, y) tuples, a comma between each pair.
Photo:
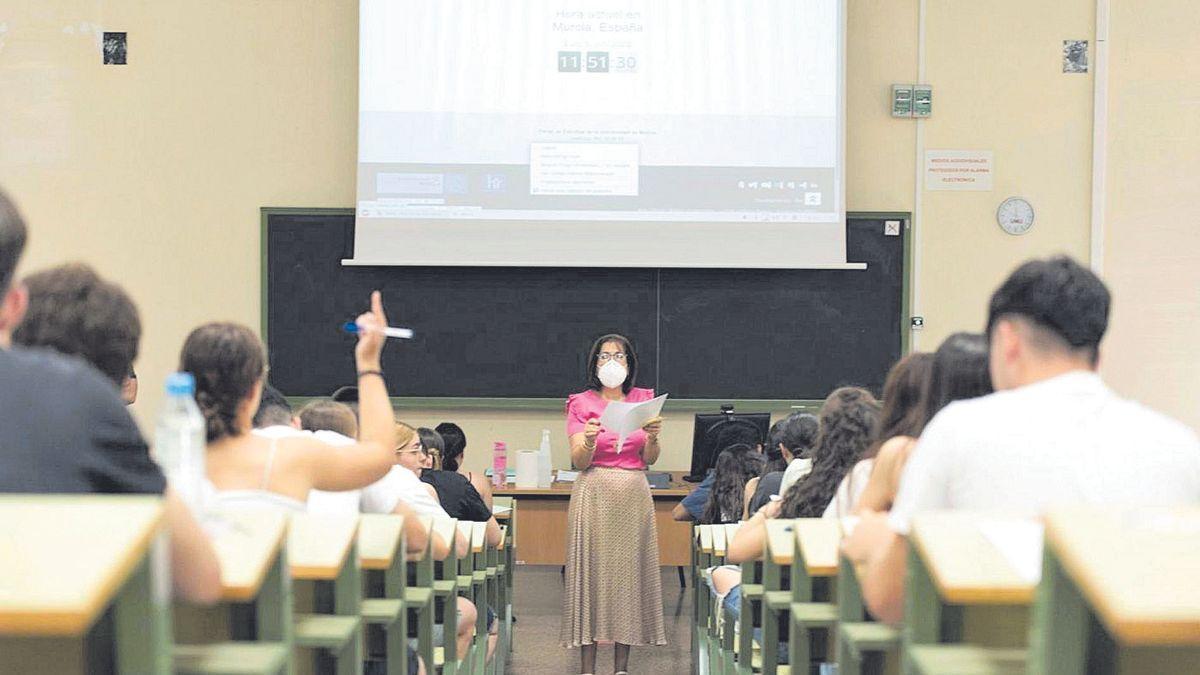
[(499, 464)]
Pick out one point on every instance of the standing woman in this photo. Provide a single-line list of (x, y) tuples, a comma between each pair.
[(613, 588)]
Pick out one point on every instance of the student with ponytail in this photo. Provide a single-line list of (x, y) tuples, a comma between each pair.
[(229, 364)]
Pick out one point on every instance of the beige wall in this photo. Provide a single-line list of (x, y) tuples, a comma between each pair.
[(1152, 238), (155, 171)]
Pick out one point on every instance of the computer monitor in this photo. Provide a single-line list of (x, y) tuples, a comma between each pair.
[(708, 432)]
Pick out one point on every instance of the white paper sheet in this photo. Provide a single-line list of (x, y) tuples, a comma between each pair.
[(565, 476), (625, 418), (1020, 542)]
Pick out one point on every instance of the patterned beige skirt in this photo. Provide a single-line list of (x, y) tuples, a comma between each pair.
[(613, 589)]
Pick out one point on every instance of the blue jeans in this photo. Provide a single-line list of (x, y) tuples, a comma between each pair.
[(733, 603)]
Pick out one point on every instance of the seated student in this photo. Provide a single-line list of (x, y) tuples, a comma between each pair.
[(245, 469), (788, 441), (452, 459), (736, 465), (460, 499), (847, 420), (322, 415), (63, 428), (411, 457), (274, 419), (274, 410), (129, 388), (730, 433), (959, 371), (73, 311), (1053, 433), (432, 444), (454, 491), (900, 422)]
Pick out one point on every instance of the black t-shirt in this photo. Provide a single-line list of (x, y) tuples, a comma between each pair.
[(64, 429), (459, 498), (767, 485)]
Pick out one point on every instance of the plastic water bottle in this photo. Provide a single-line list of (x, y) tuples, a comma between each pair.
[(499, 464), (179, 442), (545, 476)]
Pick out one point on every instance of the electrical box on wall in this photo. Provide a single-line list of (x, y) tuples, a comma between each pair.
[(902, 96), (922, 100), (912, 100)]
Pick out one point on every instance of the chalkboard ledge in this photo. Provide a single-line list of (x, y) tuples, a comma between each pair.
[(426, 261), (682, 405)]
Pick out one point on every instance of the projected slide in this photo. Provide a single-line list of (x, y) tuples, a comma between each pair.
[(483, 118)]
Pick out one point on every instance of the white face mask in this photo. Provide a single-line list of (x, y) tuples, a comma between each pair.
[(612, 374)]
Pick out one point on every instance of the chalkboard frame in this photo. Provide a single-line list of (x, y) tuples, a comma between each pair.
[(555, 404)]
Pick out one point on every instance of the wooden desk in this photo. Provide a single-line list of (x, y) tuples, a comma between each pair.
[(318, 545), (68, 558), (246, 544), (1134, 571), (379, 539), (952, 564), (252, 624), (818, 540), (324, 548), (542, 537)]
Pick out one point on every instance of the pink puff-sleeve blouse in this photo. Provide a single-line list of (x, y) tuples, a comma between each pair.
[(585, 405)]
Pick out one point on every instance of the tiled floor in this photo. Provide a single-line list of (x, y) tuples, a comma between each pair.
[(538, 607)]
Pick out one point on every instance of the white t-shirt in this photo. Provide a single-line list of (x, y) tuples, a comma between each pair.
[(849, 490), (1065, 440), (378, 497)]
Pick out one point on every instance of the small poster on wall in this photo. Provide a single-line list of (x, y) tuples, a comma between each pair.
[(969, 170)]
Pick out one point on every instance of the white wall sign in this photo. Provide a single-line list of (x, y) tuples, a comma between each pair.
[(969, 170)]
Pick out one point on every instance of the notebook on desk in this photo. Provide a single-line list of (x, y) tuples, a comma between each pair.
[(659, 480)]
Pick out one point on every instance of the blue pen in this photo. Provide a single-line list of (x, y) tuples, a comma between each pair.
[(389, 331)]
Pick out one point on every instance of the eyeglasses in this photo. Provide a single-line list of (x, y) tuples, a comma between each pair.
[(604, 357)]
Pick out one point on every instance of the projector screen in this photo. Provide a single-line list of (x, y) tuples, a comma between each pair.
[(601, 133)]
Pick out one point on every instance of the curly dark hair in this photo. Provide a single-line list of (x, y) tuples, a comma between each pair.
[(848, 420), (904, 393), (1059, 295), (227, 360), (797, 432), (73, 311), (736, 465), (456, 444)]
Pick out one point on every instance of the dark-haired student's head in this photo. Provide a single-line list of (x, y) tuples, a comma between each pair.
[(848, 420), (612, 363), (736, 465), (12, 244), (229, 363), (1048, 317), (73, 311), (455, 441), (904, 392), (960, 371), (129, 388), (789, 438), (322, 415), (273, 410), (434, 446)]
